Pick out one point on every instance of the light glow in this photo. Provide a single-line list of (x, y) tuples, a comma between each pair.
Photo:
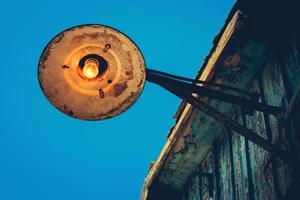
[(91, 69)]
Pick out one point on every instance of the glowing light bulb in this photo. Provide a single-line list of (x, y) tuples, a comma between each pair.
[(91, 68)]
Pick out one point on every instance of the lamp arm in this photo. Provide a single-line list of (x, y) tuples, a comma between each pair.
[(248, 101)]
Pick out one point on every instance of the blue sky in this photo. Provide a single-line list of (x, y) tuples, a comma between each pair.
[(45, 154)]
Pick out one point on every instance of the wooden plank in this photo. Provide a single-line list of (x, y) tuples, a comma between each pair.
[(275, 94), (208, 177), (262, 175), (224, 170)]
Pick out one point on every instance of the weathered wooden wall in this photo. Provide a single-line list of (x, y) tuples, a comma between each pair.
[(238, 169)]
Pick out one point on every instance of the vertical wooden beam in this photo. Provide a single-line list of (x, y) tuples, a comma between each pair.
[(247, 152), (291, 124), (269, 138), (216, 170), (229, 134)]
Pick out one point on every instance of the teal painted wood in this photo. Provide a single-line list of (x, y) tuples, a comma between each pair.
[(240, 164), (257, 167), (262, 172), (272, 161), (224, 169), (232, 166), (198, 141), (194, 193), (247, 154), (291, 75), (196, 187), (275, 94), (208, 177), (292, 67)]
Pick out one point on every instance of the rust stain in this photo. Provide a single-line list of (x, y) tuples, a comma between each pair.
[(71, 113), (65, 67), (58, 38), (180, 146), (115, 110), (233, 61), (44, 57), (119, 88), (129, 74), (85, 35)]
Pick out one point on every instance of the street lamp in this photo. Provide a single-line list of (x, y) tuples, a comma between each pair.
[(95, 72), (92, 72)]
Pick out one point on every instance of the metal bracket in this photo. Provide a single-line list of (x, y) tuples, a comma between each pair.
[(247, 100), (183, 88)]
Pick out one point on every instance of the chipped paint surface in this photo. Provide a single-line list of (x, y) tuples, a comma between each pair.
[(239, 155), (224, 169), (261, 173), (275, 94), (203, 130), (251, 174)]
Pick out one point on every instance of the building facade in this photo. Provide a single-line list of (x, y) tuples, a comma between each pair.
[(258, 50)]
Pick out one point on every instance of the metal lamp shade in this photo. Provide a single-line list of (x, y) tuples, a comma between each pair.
[(119, 80)]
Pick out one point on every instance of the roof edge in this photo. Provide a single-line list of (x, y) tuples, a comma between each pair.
[(204, 74)]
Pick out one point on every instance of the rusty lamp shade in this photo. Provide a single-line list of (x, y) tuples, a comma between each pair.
[(91, 72)]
